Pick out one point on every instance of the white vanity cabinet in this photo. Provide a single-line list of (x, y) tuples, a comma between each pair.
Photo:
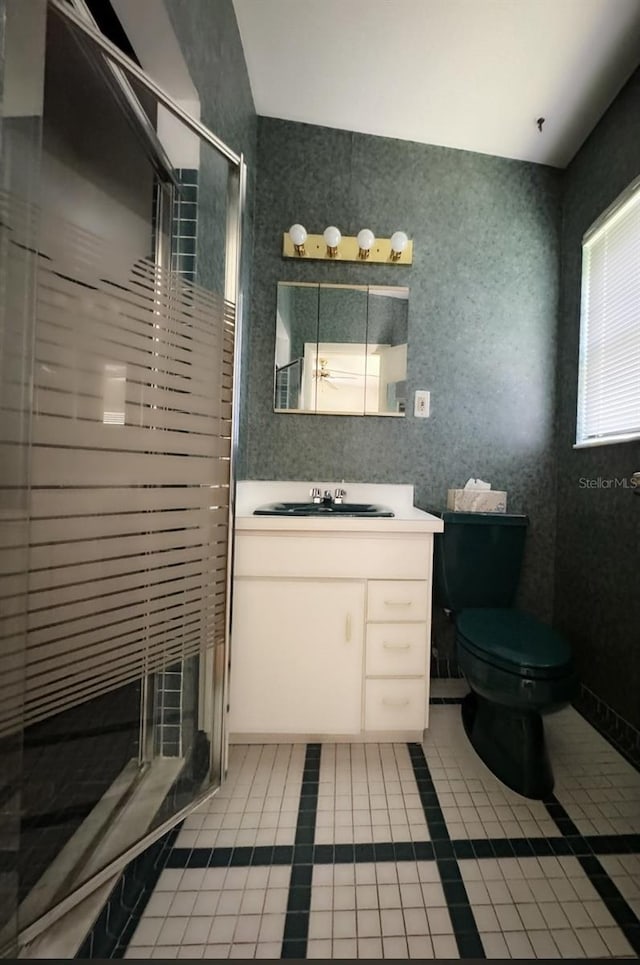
[(331, 629), (296, 664)]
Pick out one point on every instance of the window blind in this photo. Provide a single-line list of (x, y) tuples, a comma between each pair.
[(609, 370)]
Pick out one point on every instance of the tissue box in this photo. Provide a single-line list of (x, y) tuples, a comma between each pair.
[(477, 500)]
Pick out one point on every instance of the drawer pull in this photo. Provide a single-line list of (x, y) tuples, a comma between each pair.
[(347, 628), (398, 602), (390, 702), (396, 646)]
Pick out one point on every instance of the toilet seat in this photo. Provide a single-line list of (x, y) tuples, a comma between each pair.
[(514, 641)]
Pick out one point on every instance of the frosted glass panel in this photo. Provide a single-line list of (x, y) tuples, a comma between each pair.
[(116, 401)]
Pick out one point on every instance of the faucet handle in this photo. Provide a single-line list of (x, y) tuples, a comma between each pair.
[(339, 493), (315, 494)]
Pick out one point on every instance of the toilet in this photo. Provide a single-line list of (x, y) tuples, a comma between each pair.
[(517, 667)]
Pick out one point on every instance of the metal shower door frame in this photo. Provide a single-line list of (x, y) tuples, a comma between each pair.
[(236, 202)]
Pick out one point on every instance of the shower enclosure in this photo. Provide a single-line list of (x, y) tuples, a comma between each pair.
[(120, 232)]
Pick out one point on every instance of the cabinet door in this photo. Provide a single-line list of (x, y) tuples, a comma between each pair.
[(296, 657)]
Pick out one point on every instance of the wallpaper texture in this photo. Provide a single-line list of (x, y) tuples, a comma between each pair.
[(482, 320), (597, 599)]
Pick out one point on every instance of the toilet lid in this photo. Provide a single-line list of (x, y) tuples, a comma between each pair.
[(513, 638)]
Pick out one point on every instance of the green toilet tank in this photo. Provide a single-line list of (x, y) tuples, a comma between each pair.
[(477, 559)]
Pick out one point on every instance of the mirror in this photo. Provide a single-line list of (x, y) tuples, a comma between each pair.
[(341, 349)]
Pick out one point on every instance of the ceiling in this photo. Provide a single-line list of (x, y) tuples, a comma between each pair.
[(470, 74)]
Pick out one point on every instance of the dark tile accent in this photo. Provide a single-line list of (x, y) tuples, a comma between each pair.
[(404, 851), (541, 847), (113, 929), (301, 876), (620, 911), (199, 857), (299, 900), (423, 850), (323, 854), (623, 736), (384, 852), (189, 193), (303, 854), (483, 848), (469, 945), (454, 892), (522, 848), (578, 844), (262, 854), (449, 870), (463, 849), (241, 857), (282, 854), (443, 849), (305, 834), (464, 924), (502, 848), (220, 858), (560, 846), (296, 925), (364, 852), (344, 853), (294, 949)]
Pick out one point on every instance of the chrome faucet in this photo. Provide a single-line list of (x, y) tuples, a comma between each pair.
[(339, 494), (327, 499), (315, 494)]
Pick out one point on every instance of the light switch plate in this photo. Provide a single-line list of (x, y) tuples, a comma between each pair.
[(422, 404)]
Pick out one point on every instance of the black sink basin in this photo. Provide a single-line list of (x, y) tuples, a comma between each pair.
[(320, 509)]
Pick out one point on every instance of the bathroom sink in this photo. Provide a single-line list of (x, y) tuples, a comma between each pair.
[(320, 509)]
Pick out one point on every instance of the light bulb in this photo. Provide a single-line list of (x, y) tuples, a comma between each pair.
[(332, 239), (298, 235), (399, 242), (365, 241)]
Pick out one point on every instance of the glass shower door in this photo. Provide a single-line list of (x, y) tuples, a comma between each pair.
[(22, 35), (136, 261)]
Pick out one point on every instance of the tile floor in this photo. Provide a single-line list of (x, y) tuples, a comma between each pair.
[(398, 851)]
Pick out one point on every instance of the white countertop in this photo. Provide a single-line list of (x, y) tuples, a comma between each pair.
[(407, 518)]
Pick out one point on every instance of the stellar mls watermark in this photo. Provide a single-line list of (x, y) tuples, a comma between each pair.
[(616, 482)]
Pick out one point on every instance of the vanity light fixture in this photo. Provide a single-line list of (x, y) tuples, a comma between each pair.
[(332, 245), (398, 243), (365, 241), (332, 238), (298, 235)]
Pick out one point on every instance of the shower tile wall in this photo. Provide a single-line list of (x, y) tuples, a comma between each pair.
[(210, 41), (185, 224), (170, 696)]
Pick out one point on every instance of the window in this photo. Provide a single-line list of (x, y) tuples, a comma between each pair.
[(609, 371)]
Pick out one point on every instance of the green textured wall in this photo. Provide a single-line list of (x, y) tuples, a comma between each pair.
[(598, 532), (482, 319)]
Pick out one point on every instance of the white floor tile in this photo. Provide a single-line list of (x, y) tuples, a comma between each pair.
[(494, 945), (523, 907)]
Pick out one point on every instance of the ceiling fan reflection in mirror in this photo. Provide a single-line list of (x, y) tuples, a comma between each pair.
[(331, 376)]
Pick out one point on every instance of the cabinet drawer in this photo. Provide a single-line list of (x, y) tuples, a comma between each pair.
[(396, 649), (394, 600), (395, 705), (334, 556)]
